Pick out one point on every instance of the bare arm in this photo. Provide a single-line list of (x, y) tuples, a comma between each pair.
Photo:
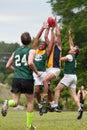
[(64, 58), (58, 35), (67, 58), (36, 40), (52, 34), (31, 61), (70, 39), (46, 35), (50, 43), (10, 62)]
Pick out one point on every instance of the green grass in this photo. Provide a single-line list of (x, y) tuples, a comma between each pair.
[(16, 120)]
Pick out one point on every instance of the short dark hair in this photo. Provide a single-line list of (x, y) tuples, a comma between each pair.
[(25, 38)]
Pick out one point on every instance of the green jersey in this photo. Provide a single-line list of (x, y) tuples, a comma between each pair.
[(40, 60), (22, 69), (70, 66)]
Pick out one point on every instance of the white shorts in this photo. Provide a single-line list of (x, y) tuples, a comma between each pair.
[(55, 71), (38, 80), (69, 80)]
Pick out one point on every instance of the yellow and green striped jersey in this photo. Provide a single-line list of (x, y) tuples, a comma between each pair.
[(40, 60)]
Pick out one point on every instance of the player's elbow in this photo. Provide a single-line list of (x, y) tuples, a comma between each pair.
[(30, 63), (7, 66)]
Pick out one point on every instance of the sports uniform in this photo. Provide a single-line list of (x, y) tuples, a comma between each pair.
[(82, 93), (53, 65), (70, 77), (40, 63), (23, 81)]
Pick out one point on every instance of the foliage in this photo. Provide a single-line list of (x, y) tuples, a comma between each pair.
[(1, 77), (8, 79), (5, 51), (8, 47), (73, 14)]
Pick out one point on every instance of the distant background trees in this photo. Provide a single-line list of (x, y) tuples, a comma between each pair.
[(5, 52)]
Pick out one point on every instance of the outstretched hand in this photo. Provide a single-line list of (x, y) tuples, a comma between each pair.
[(39, 74), (44, 25)]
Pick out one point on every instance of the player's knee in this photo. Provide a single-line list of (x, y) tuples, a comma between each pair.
[(44, 80), (57, 89)]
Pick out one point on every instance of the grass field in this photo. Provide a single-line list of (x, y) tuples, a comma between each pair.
[(16, 120)]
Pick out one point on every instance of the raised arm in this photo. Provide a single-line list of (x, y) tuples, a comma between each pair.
[(46, 35), (50, 42), (70, 39), (36, 40), (58, 35)]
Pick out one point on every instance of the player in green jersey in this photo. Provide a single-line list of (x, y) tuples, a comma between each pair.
[(43, 50), (70, 78), (23, 81)]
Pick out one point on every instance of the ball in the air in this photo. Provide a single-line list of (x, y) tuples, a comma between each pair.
[(51, 21)]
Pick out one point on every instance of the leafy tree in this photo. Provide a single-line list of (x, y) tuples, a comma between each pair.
[(73, 14), (5, 51), (8, 79)]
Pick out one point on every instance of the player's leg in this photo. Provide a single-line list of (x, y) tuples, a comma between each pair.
[(45, 81), (57, 96), (73, 94), (29, 93), (29, 111), (38, 97), (10, 103)]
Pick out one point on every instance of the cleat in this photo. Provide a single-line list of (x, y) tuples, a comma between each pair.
[(41, 111), (4, 108), (31, 128), (45, 110), (82, 108), (80, 112), (56, 109), (51, 109)]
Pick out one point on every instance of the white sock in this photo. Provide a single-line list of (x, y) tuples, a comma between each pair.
[(39, 105), (79, 109), (53, 104)]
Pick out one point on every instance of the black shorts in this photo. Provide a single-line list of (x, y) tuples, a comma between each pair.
[(22, 86)]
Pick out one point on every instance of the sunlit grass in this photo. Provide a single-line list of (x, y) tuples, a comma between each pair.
[(16, 120)]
